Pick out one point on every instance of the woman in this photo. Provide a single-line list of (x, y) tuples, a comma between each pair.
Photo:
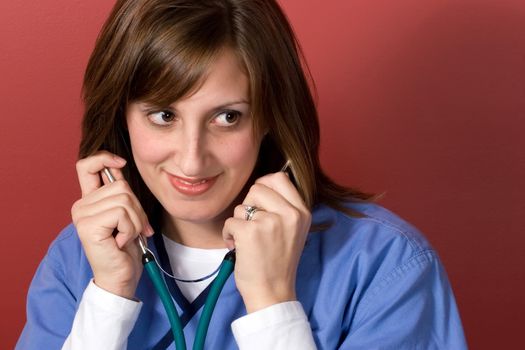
[(195, 106)]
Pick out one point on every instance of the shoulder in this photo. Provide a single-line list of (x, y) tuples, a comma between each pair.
[(378, 232), (366, 255), (66, 257), (66, 245), (378, 272), (58, 284)]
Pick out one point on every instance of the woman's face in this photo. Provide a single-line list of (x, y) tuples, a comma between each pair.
[(196, 154)]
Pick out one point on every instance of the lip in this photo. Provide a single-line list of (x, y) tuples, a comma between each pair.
[(192, 187)]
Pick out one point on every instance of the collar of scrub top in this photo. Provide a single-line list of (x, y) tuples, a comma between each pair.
[(189, 309)]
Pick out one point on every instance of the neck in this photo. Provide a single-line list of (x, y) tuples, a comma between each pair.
[(205, 235)]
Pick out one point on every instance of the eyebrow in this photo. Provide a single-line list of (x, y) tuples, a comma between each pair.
[(225, 105), (147, 107)]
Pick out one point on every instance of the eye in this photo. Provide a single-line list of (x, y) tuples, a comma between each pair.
[(162, 118), (228, 118)]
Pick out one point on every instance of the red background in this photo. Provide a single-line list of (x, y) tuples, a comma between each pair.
[(423, 99)]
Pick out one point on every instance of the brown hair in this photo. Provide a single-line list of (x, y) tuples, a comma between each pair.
[(158, 51)]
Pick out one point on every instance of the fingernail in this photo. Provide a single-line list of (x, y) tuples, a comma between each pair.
[(230, 244), (148, 230), (119, 159)]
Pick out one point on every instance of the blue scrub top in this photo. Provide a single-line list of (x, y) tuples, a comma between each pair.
[(365, 283)]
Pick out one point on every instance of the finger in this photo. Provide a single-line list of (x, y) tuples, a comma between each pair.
[(239, 212), (99, 228), (292, 218), (119, 187), (88, 170), (265, 198), (122, 200), (125, 238), (281, 183), (126, 227), (240, 233), (230, 230), (133, 248), (117, 193)]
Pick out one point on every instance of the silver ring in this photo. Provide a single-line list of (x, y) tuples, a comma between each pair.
[(249, 211)]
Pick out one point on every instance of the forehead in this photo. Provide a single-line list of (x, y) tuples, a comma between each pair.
[(224, 82)]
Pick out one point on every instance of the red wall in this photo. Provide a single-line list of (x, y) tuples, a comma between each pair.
[(423, 99)]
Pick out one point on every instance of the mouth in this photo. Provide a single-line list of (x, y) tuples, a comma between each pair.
[(192, 186)]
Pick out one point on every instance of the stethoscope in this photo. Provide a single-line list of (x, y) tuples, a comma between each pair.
[(151, 266), (225, 270)]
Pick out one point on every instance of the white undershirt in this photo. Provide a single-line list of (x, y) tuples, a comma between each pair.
[(104, 320), (193, 263)]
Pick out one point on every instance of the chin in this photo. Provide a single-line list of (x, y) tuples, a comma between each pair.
[(198, 212)]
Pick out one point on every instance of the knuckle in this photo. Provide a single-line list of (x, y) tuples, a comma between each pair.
[(74, 210), (228, 222), (121, 212), (76, 205), (280, 176), (264, 178), (271, 223), (80, 226), (103, 152), (121, 186), (124, 198), (254, 189), (308, 217), (79, 165), (292, 214), (239, 210), (227, 228)]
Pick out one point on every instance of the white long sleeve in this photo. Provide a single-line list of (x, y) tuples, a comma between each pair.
[(103, 321), (282, 326)]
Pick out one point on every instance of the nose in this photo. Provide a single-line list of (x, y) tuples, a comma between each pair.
[(191, 154)]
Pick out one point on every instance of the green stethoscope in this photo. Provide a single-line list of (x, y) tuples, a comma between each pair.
[(225, 271), (150, 265)]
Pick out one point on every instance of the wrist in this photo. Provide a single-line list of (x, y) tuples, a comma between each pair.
[(262, 299), (122, 290)]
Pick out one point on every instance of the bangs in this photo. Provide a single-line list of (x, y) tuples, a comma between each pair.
[(175, 51)]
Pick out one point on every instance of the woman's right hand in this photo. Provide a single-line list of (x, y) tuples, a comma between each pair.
[(105, 208)]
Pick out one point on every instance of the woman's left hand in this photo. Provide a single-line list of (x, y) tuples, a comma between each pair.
[(269, 246)]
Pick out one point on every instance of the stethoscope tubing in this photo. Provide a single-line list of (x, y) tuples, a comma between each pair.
[(160, 286), (227, 266), (150, 265), (226, 269)]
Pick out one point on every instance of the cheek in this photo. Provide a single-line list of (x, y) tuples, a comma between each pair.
[(240, 152), (145, 147)]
